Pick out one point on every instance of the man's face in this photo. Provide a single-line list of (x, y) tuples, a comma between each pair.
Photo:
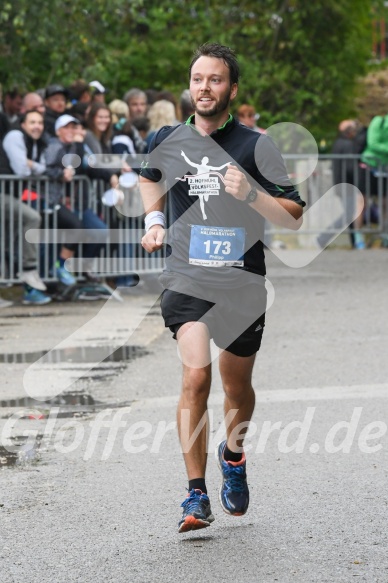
[(33, 101), (33, 125), (13, 104), (137, 107), (210, 87), (66, 134), (248, 119), (56, 102)]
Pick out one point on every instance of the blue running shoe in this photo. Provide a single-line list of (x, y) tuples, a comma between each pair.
[(36, 297), (65, 276), (196, 512), (234, 492)]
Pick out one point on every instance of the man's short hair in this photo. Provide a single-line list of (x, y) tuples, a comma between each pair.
[(219, 52), (24, 116), (134, 92)]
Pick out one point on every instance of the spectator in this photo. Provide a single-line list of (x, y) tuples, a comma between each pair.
[(120, 112), (120, 116), (80, 111), (137, 103), (12, 104), (16, 214), (142, 125), (4, 125), (152, 96), (168, 96), (32, 101), (61, 177), (98, 138), (161, 113), (79, 92), (98, 92), (55, 101), (22, 153), (346, 171), (185, 105), (247, 115)]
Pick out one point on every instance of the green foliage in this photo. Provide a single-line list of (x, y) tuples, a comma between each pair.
[(299, 59)]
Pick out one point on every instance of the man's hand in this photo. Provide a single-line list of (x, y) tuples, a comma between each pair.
[(153, 239), (68, 174), (114, 181), (236, 183)]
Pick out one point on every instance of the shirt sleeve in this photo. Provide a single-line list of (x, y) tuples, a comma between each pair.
[(16, 151), (272, 173)]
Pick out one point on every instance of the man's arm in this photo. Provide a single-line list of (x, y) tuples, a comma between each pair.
[(280, 211), (16, 151), (154, 198)]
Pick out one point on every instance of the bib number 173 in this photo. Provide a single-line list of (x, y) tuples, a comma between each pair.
[(216, 247)]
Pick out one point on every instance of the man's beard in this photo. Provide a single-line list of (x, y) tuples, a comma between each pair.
[(217, 108)]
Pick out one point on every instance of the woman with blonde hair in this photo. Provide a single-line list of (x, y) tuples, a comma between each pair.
[(161, 113)]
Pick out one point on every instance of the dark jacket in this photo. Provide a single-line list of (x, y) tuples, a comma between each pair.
[(56, 150)]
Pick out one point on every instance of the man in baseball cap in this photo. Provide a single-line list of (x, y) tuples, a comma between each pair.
[(98, 91), (65, 120), (55, 101)]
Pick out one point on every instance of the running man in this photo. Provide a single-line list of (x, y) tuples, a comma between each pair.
[(215, 271)]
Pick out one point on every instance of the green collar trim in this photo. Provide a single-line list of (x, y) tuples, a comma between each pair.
[(189, 121)]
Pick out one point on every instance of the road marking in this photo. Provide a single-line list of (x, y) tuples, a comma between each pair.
[(372, 391)]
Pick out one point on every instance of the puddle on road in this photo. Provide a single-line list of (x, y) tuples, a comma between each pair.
[(69, 404), (20, 451), (81, 354), (76, 398)]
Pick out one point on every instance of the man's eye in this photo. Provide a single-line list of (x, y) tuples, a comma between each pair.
[(216, 80)]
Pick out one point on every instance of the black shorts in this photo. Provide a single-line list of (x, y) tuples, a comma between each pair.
[(236, 323)]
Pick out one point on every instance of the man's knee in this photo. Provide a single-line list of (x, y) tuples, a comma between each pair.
[(196, 383)]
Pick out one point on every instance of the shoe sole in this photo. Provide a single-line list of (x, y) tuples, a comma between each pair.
[(220, 490), (192, 523)]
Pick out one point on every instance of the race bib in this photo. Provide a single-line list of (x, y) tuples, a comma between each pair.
[(217, 246)]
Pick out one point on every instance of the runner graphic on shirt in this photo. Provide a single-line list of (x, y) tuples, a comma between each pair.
[(205, 182)]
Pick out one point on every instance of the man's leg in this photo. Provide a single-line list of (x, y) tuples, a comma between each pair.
[(236, 374), (193, 342), (193, 424)]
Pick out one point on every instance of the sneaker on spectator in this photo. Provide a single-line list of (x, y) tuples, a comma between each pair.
[(65, 276), (36, 297), (32, 279)]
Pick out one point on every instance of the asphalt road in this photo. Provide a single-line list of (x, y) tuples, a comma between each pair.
[(95, 492)]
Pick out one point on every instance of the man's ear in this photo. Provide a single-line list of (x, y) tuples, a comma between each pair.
[(233, 91)]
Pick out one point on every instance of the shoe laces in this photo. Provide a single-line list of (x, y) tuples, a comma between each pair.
[(191, 502), (235, 476)]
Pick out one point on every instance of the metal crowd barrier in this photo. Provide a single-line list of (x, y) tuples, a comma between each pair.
[(332, 218), (121, 252)]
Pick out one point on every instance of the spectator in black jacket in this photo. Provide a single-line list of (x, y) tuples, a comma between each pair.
[(22, 153), (344, 170), (55, 102)]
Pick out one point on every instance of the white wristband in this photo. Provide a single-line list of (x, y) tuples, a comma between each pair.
[(154, 218)]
